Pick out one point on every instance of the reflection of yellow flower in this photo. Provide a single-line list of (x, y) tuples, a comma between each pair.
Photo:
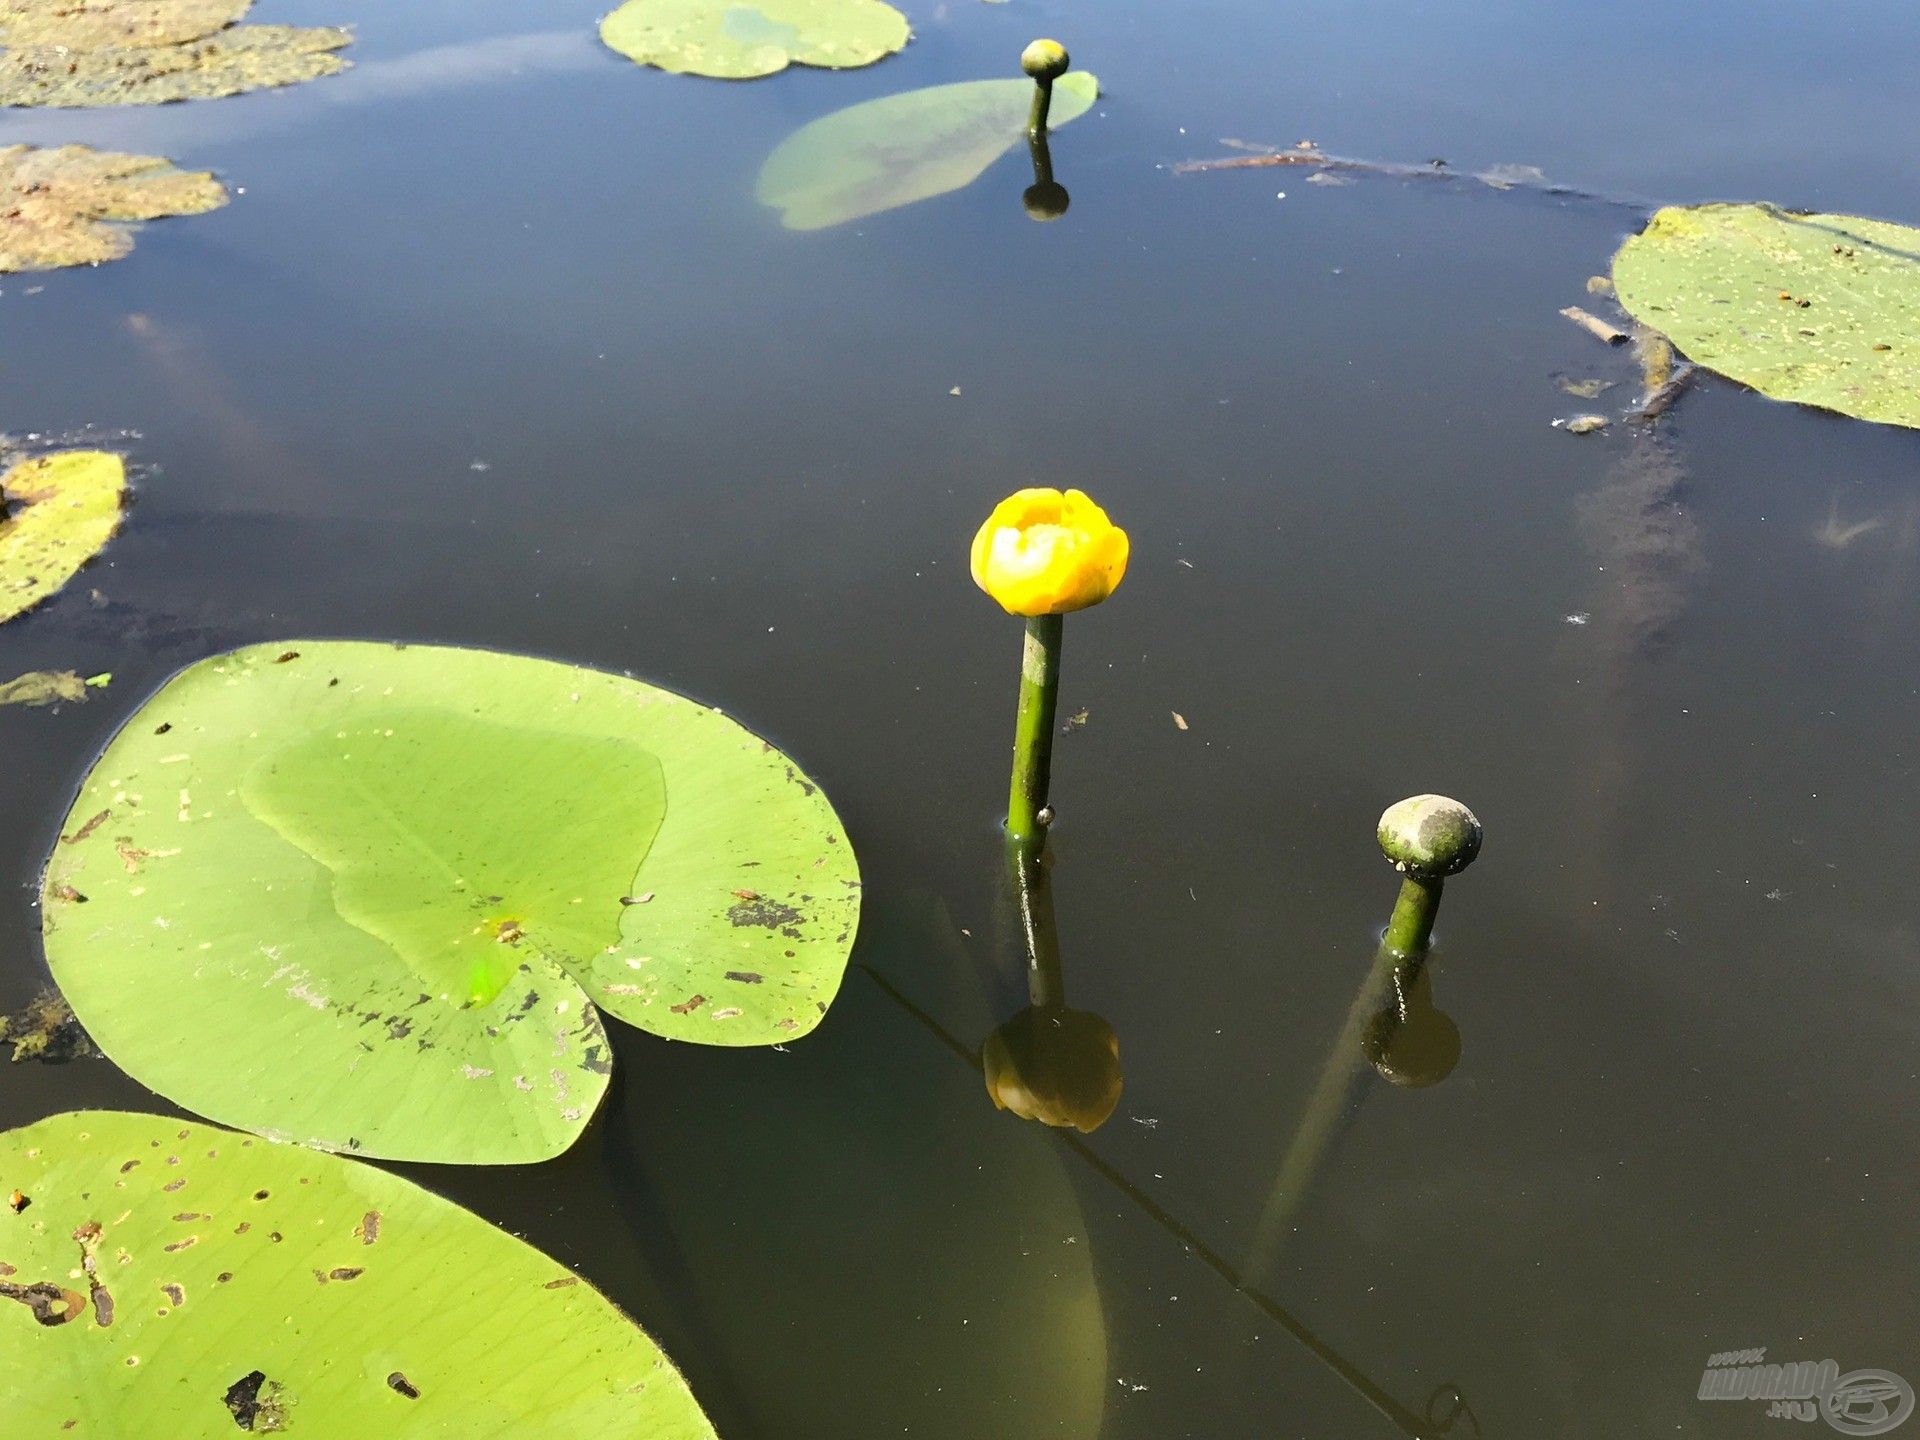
[(1060, 1067), (1045, 553)]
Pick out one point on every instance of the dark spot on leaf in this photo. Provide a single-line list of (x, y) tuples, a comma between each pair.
[(18, 1201), (257, 1403), (562, 1283), (163, 729), (102, 1306), (689, 1006), (87, 829), (174, 1293), (369, 1227), (260, 1194), (768, 914), (285, 655), (745, 977), (173, 1185), (403, 1386), (186, 1244), (51, 1304)]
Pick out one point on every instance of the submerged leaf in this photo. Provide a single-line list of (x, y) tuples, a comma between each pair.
[(102, 24), (227, 62), (355, 872), (745, 39), (1817, 309), (43, 687), (54, 202), (176, 1279), (60, 510), (882, 154)]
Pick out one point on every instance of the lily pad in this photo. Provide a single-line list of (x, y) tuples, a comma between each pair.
[(227, 62), (1817, 309), (98, 24), (61, 509), (59, 203), (882, 154), (170, 1279), (746, 39), (369, 896)]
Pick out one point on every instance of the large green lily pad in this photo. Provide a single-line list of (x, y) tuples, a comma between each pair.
[(745, 39), (1819, 309), (882, 154), (170, 1279), (374, 897), (226, 62), (60, 204), (61, 509)]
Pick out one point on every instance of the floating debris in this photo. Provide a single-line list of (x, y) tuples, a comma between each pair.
[(44, 687), (56, 512)]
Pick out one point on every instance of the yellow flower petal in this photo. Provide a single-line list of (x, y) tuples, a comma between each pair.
[(1042, 552)]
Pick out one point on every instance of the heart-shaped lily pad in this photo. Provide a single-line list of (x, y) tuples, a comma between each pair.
[(166, 1279), (373, 897), (1819, 309), (882, 154), (60, 509), (746, 39)]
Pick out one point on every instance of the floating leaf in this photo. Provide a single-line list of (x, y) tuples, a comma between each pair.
[(745, 39), (57, 202), (369, 896), (43, 687), (227, 62), (170, 1279), (46, 1030), (105, 24), (60, 510), (1818, 309), (882, 154)]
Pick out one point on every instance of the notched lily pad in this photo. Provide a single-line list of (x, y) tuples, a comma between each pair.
[(226, 62), (355, 872), (60, 510), (1817, 309), (105, 24), (175, 1279), (68, 205), (746, 39), (882, 154)]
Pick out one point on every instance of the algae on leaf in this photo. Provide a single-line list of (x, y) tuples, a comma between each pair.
[(1818, 309), (882, 154), (172, 1279), (48, 68), (746, 39), (387, 891), (99, 24), (59, 203), (60, 509)]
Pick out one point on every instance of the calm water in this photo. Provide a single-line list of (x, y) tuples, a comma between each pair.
[(497, 348)]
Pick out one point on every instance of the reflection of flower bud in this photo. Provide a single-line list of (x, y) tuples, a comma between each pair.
[(1045, 200), (1060, 1067), (1409, 1042), (1045, 553)]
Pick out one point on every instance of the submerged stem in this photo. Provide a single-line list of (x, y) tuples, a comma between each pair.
[(1033, 728)]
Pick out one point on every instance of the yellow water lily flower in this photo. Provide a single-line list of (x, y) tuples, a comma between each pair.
[(1042, 552)]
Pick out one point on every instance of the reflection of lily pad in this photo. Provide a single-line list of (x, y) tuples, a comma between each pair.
[(745, 39), (60, 510), (370, 896), (1819, 309), (227, 62), (58, 200), (98, 24), (882, 154), (170, 1279)]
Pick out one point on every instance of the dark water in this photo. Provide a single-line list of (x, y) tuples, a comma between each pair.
[(726, 457)]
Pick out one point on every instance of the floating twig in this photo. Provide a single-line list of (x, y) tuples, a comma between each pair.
[(1595, 326)]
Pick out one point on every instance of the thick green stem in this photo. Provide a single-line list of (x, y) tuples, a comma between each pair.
[(1033, 728), (1042, 100), (1413, 913)]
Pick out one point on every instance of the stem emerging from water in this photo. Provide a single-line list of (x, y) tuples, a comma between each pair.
[(1033, 729), (1042, 102), (1413, 914)]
